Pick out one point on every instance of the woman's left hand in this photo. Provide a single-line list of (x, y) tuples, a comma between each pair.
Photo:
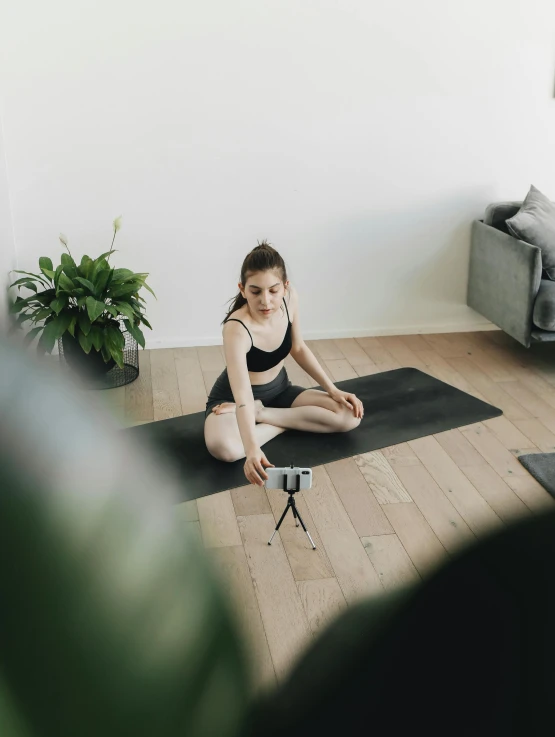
[(348, 400)]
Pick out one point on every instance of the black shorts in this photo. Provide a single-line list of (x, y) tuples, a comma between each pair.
[(277, 393)]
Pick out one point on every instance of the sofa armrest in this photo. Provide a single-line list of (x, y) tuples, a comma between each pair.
[(503, 280)]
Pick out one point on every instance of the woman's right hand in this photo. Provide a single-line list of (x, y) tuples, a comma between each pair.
[(254, 467)]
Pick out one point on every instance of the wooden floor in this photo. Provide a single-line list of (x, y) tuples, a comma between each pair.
[(379, 519)]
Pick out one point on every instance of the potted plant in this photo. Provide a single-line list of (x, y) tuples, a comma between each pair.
[(85, 305)]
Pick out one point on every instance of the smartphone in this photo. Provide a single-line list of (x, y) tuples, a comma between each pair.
[(276, 477)]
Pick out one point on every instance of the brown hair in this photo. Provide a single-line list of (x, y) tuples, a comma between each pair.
[(262, 258)]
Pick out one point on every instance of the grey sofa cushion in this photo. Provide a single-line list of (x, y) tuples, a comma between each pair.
[(534, 223), (498, 213), (544, 306)]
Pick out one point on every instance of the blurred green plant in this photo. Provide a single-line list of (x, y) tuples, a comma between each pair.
[(89, 301)]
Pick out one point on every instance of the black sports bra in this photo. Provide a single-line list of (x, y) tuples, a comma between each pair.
[(259, 360)]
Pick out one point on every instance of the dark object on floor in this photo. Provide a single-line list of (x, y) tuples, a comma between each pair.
[(542, 468), (94, 372), (400, 405)]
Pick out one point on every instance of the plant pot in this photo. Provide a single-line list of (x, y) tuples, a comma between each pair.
[(91, 364)]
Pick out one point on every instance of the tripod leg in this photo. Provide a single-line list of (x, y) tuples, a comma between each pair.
[(296, 513), (279, 523)]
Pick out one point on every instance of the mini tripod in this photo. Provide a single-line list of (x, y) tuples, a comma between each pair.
[(291, 504)]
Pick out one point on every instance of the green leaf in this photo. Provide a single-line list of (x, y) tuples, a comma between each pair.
[(136, 332), (85, 341), (57, 275), (117, 355), (49, 335), (104, 278), (145, 285), (94, 308), (121, 275), (97, 337), (42, 279), (45, 263), (114, 337), (123, 289), (126, 310), (68, 261), (41, 314), (71, 326), (31, 335), (48, 273), (86, 283), (146, 322), (81, 301), (64, 282), (23, 280), (84, 323), (58, 304), (112, 310), (86, 266)]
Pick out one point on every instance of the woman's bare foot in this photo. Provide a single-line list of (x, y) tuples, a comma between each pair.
[(224, 407)]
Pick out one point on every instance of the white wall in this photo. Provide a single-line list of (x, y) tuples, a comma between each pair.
[(7, 244), (360, 138)]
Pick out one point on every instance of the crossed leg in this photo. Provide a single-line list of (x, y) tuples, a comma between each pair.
[(312, 411)]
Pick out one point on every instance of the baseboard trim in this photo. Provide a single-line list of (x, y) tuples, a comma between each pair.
[(335, 334)]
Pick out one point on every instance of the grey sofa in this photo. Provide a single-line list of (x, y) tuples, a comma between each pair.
[(505, 280)]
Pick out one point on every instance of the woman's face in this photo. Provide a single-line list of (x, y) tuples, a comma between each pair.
[(264, 292)]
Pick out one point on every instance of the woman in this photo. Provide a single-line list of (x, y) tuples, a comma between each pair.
[(253, 400)]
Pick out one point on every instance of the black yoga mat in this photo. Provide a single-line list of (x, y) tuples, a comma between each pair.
[(399, 405), (542, 467)]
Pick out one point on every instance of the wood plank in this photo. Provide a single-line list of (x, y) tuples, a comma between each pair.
[(508, 434), (306, 563), (445, 346), (417, 537), (498, 494), (138, 394), (353, 569), (283, 615), (211, 358), (233, 571), (367, 369), (400, 455), (209, 380), (494, 369), (250, 499), (187, 511), (381, 478), (218, 521), (352, 351), (493, 451), (323, 602), (165, 390), (443, 518), (297, 375), (193, 528), (538, 434), (326, 349), (468, 502), (391, 561), (437, 366), (401, 352), (190, 381), (377, 354), (459, 449), (535, 405), (415, 342), (531, 492), (491, 390), (340, 369), (357, 498)]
